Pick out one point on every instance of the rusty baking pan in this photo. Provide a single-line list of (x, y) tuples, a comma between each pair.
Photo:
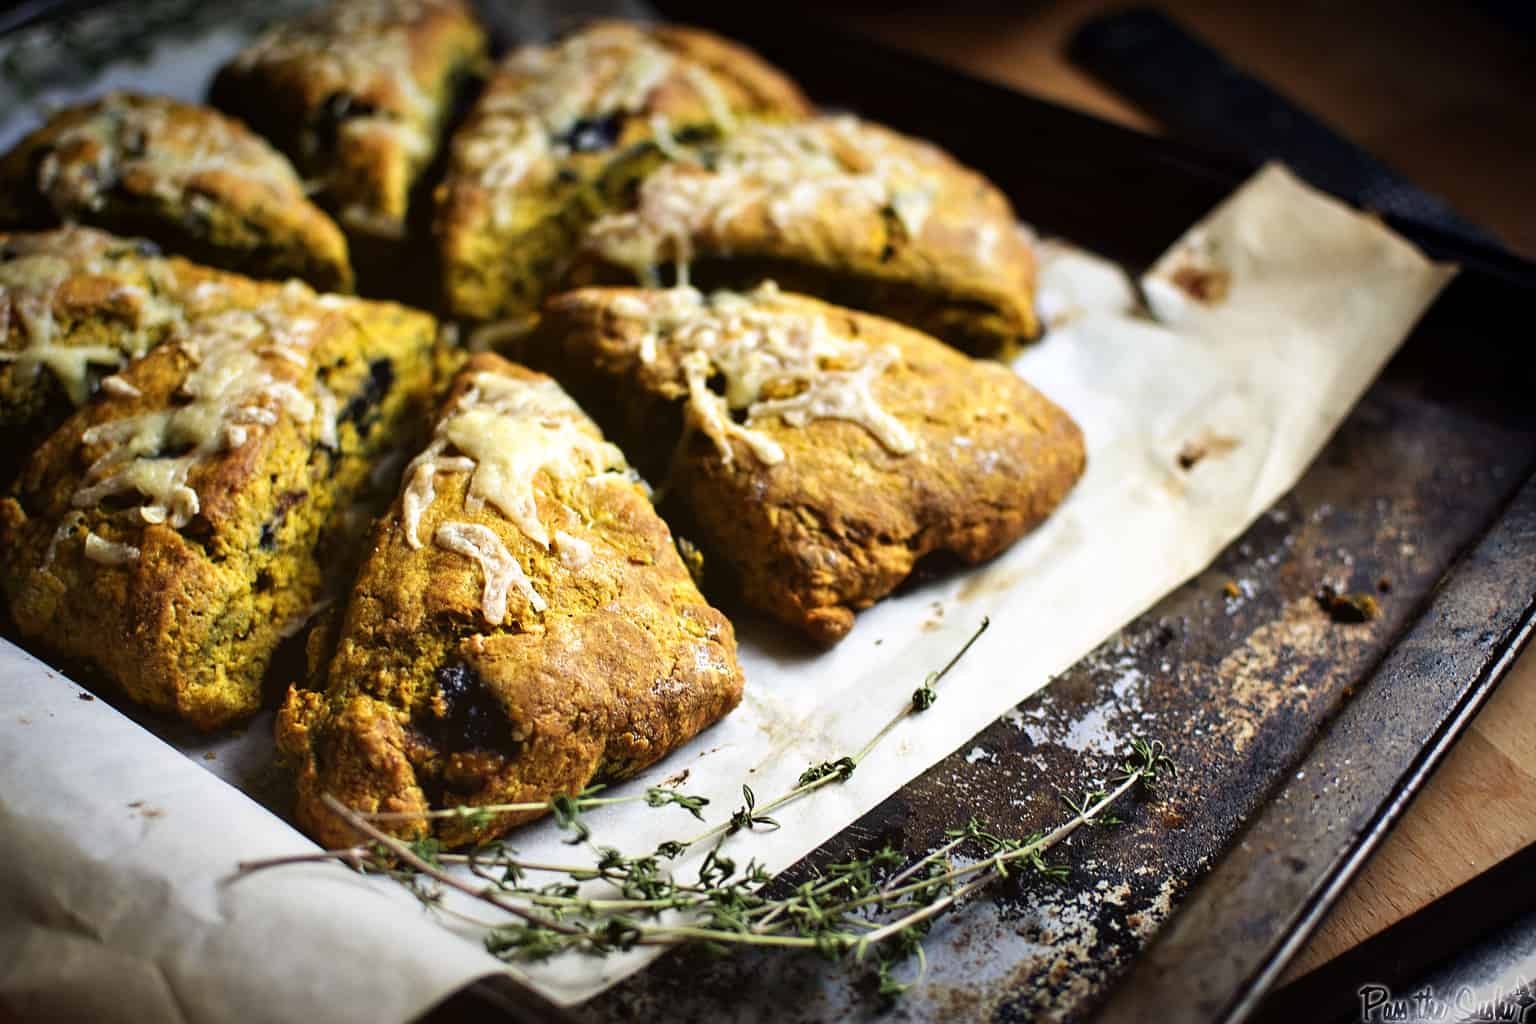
[(1299, 738)]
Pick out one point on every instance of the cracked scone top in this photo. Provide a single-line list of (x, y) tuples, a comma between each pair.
[(522, 626), (838, 207), (358, 93), (169, 533), (527, 168), (815, 452), (197, 182)]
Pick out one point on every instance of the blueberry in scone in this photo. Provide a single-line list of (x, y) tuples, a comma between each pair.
[(358, 93), (531, 165), (835, 207)]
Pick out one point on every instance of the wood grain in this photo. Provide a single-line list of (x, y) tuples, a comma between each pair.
[(1443, 94)]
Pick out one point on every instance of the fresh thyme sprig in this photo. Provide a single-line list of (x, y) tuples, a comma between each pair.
[(878, 906)]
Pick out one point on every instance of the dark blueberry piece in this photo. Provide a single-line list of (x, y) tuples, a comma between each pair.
[(473, 719), (268, 536), (381, 378), (590, 134)]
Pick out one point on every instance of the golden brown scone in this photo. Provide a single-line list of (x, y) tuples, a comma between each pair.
[(169, 534), (358, 93), (818, 452), (523, 625), (836, 207), (527, 169), (198, 183)]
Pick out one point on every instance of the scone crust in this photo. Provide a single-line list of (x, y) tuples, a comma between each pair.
[(199, 183), (902, 229), (842, 520), (427, 704), (189, 625), (358, 95), (515, 196)]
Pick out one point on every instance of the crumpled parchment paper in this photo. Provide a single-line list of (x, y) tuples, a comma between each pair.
[(1269, 319)]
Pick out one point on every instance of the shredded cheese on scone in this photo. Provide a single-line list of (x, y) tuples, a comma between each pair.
[(244, 367), (505, 432), (775, 360), (162, 145), (793, 173), (524, 122), (29, 285)]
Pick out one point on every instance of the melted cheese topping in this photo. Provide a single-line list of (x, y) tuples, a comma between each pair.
[(235, 385), (170, 145), (502, 571), (107, 552), (792, 172), (776, 361), (29, 285), (505, 432), (361, 47), (575, 553)]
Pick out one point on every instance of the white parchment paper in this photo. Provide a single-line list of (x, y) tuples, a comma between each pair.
[(120, 848)]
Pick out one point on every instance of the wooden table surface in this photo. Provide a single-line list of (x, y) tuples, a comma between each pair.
[(1444, 93)]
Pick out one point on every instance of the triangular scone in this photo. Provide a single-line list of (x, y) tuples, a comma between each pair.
[(815, 451), (358, 94), (200, 184), (839, 208), (175, 529), (526, 170), (523, 625)]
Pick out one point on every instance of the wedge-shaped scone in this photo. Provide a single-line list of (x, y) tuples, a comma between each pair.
[(200, 184), (528, 168), (169, 534), (839, 208), (816, 452), (358, 93), (523, 625)]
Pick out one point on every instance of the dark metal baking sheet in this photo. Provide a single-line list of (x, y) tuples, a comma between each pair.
[(1299, 738)]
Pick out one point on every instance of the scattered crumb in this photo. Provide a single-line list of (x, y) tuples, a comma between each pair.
[(210, 756), (1230, 588), (1203, 284), (677, 779), (144, 810), (1202, 446), (1358, 606), (85, 696), (1384, 585)]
